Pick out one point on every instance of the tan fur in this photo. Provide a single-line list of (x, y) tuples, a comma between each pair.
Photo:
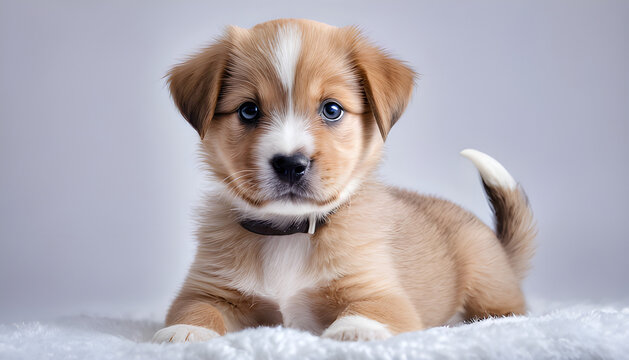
[(405, 260)]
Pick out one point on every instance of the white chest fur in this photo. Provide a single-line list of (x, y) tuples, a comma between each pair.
[(285, 272)]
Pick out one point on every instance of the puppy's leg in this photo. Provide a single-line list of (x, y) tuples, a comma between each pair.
[(493, 287), (198, 317), (377, 318), (191, 320)]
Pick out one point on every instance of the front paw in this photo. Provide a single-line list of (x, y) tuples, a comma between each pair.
[(356, 328), (184, 333)]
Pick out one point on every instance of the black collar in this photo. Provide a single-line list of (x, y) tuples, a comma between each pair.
[(262, 227)]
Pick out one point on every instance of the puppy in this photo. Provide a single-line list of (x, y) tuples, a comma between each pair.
[(292, 116)]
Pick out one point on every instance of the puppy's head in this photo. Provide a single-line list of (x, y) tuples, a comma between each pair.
[(292, 113)]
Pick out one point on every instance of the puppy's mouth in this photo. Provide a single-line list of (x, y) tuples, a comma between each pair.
[(295, 195), (288, 202), (299, 197), (283, 199), (301, 193)]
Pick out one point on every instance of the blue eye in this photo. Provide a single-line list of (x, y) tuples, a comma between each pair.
[(331, 110), (248, 112)]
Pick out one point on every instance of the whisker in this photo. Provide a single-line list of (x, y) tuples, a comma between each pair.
[(237, 172)]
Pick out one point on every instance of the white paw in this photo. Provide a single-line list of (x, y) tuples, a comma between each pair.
[(184, 333), (356, 328)]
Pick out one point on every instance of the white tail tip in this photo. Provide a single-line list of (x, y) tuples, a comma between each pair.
[(491, 171)]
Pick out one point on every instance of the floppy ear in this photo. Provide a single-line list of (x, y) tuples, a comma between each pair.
[(388, 83), (196, 83)]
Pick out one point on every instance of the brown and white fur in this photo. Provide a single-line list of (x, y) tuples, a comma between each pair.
[(387, 260)]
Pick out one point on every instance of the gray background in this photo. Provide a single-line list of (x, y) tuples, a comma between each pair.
[(99, 174)]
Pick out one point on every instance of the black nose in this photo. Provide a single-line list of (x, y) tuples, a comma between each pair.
[(290, 168)]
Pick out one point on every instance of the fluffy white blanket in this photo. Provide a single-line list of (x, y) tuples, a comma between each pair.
[(569, 332)]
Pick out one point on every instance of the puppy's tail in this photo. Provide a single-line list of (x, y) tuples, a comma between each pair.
[(513, 217)]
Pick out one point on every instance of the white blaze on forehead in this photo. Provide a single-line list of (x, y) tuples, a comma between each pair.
[(286, 49), (287, 131)]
